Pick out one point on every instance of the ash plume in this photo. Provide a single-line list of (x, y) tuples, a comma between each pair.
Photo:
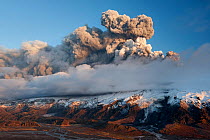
[(92, 61), (124, 39), (140, 26), (92, 45), (35, 58), (84, 45), (138, 48)]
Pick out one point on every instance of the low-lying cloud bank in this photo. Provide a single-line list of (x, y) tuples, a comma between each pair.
[(191, 73), (90, 61)]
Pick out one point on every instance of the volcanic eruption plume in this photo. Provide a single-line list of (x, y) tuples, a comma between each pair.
[(91, 61), (140, 26)]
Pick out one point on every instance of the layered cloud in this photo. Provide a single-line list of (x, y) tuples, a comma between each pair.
[(191, 74)]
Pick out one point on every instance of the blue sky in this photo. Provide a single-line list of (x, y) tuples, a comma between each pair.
[(178, 24)]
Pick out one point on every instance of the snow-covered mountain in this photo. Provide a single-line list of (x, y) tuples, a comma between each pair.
[(155, 110), (198, 98)]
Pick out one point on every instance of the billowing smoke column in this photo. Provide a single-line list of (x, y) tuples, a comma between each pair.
[(92, 61), (124, 39), (140, 26), (138, 48), (35, 58), (85, 45)]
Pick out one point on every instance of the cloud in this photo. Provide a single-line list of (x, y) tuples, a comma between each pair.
[(192, 73), (140, 26), (125, 38), (91, 61), (33, 47), (92, 45)]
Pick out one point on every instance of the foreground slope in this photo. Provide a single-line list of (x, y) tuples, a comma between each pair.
[(129, 114)]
